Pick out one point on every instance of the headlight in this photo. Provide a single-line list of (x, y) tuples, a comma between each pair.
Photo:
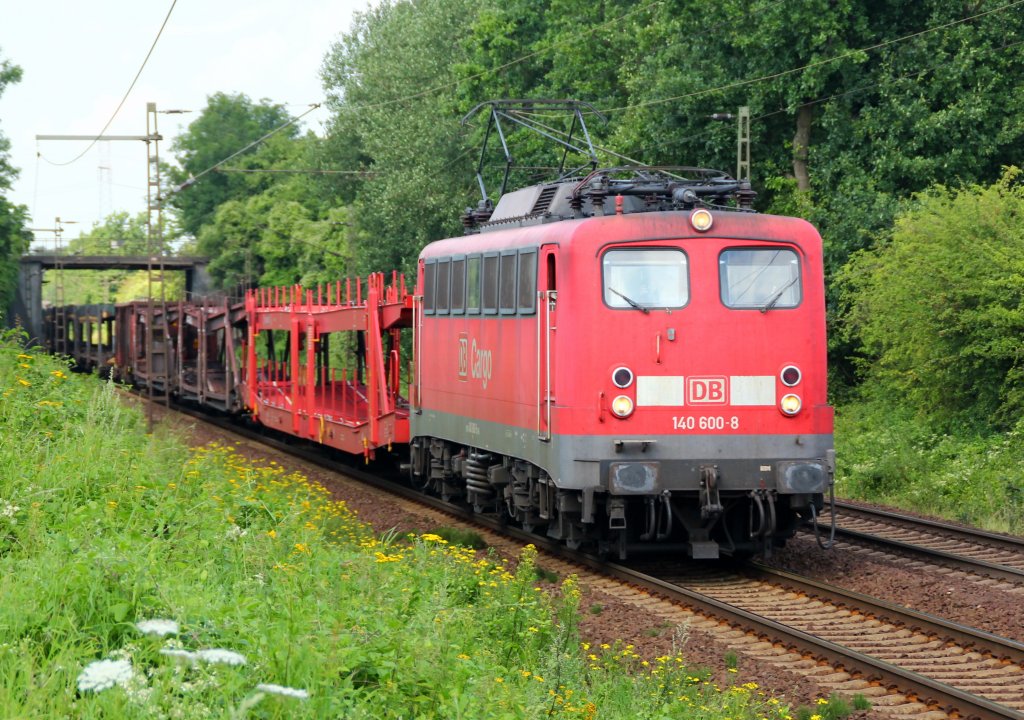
[(701, 219), (622, 377), (622, 406), (790, 404), (790, 375)]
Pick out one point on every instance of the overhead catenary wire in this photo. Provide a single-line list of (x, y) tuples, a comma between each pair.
[(523, 58), (192, 178), (423, 93), (296, 171), (126, 94)]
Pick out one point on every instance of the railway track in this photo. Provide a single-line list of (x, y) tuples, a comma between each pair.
[(977, 552), (946, 665), (909, 665)]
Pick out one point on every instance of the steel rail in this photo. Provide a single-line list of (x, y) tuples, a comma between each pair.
[(964, 635), (1007, 542), (940, 557), (944, 558)]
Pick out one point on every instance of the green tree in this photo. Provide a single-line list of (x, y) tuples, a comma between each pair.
[(392, 84), (939, 307), (14, 235), (227, 124), (273, 239)]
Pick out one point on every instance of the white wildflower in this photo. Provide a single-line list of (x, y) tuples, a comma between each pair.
[(8, 509), (157, 627), (234, 532), (220, 655), (283, 690), (137, 690), (102, 674), (124, 653)]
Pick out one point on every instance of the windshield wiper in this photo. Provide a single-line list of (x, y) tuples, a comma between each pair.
[(631, 301), (777, 296)]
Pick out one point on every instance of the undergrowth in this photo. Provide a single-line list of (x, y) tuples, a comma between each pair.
[(143, 579), (887, 455)]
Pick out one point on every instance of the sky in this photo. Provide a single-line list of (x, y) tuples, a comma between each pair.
[(79, 58)]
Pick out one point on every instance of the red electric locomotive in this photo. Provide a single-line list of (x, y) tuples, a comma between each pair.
[(624, 360)]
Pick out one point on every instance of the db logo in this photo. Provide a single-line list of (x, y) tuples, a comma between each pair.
[(706, 390), (463, 357)]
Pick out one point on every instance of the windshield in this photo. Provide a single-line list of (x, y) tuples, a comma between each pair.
[(761, 278), (645, 278)]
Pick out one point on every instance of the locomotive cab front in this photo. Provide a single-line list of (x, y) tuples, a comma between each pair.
[(710, 376)]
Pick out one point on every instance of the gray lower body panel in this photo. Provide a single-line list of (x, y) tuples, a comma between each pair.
[(635, 465)]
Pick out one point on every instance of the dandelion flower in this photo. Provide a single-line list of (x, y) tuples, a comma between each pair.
[(220, 655), (283, 690), (157, 627), (103, 674)]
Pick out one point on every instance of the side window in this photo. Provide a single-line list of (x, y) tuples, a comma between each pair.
[(458, 286), (473, 284), (507, 284), (527, 301), (428, 287), (443, 268), (759, 278), (490, 284)]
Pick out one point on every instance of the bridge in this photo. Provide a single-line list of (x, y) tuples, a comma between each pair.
[(27, 309)]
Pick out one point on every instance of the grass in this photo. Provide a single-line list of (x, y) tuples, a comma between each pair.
[(886, 455), (103, 527)]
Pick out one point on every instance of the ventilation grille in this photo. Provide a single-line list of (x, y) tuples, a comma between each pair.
[(544, 199)]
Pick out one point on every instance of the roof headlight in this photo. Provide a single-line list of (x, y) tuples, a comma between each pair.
[(701, 219), (622, 406), (790, 404)]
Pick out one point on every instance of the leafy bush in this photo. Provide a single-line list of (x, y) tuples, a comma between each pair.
[(939, 307)]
